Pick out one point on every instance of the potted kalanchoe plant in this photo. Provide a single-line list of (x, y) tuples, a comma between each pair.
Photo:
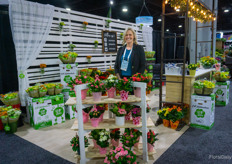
[(42, 90), (120, 115), (85, 113), (115, 136), (101, 109), (103, 141), (148, 109), (192, 69), (138, 77), (96, 86), (124, 86), (136, 133), (94, 135), (110, 84), (94, 115), (80, 79), (58, 88), (130, 138), (164, 114), (11, 98), (10, 119), (75, 143), (136, 115), (151, 138), (121, 155), (175, 115)]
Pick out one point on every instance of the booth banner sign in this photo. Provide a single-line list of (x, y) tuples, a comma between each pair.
[(145, 20), (202, 111)]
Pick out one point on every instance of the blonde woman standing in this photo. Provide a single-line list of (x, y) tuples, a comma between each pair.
[(131, 57)]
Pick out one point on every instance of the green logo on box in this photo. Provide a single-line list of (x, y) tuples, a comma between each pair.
[(58, 112), (68, 66), (42, 112), (199, 113), (67, 78), (219, 92)]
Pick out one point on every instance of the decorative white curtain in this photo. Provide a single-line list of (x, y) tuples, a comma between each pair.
[(147, 38), (30, 25)]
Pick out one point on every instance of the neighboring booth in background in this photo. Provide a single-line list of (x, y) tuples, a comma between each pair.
[(68, 71), (221, 91), (70, 111), (46, 111), (202, 111)]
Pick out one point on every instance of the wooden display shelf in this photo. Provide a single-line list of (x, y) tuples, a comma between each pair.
[(94, 152), (110, 124), (105, 100)]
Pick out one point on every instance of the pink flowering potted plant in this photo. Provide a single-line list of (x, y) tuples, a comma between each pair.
[(96, 86), (80, 79), (103, 141), (121, 155), (124, 86), (136, 115), (110, 84), (76, 144), (94, 115), (115, 136), (129, 138), (85, 113), (120, 114), (101, 109), (151, 138), (138, 77)]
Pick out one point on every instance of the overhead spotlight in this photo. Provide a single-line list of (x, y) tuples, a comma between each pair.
[(167, 30), (180, 26), (118, 19), (226, 11), (177, 10), (111, 2), (124, 10), (68, 9), (159, 20)]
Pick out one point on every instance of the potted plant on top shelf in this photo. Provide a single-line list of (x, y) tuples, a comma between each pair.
[(96, 86), (110, 84), (138, 77), (124, 86)]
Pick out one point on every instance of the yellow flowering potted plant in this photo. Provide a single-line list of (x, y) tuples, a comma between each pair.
[(221, 76), (51, 88), (208, 87), (192, 69), (164, 114), (207, 62)]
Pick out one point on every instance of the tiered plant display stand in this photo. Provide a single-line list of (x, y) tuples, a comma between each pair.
[(110, 123)]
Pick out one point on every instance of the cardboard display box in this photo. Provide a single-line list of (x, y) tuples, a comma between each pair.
[(67, 71), (202, 111), (46, 111), (221, 91)]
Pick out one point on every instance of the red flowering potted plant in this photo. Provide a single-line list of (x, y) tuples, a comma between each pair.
[(80, 79), (124, 86), (136, 115), (121, 155), (94, 115), (76, 144), (129, 138), (96, 86), (151, 138), (120, 114), (115, 136), (138, 77), (138, 134)]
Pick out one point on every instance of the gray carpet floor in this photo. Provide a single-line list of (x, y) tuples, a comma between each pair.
[(15, 150), (198, 146)]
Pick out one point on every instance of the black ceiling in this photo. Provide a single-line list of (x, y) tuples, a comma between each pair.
[(101, 7)]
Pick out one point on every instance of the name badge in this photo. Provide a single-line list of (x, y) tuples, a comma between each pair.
[(124, 65)]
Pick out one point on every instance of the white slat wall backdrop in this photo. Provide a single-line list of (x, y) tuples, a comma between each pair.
[(73, 33)]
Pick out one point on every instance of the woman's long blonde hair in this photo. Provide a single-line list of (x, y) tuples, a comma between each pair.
[(124, 34)]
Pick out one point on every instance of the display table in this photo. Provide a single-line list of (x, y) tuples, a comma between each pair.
[(173, 90)]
